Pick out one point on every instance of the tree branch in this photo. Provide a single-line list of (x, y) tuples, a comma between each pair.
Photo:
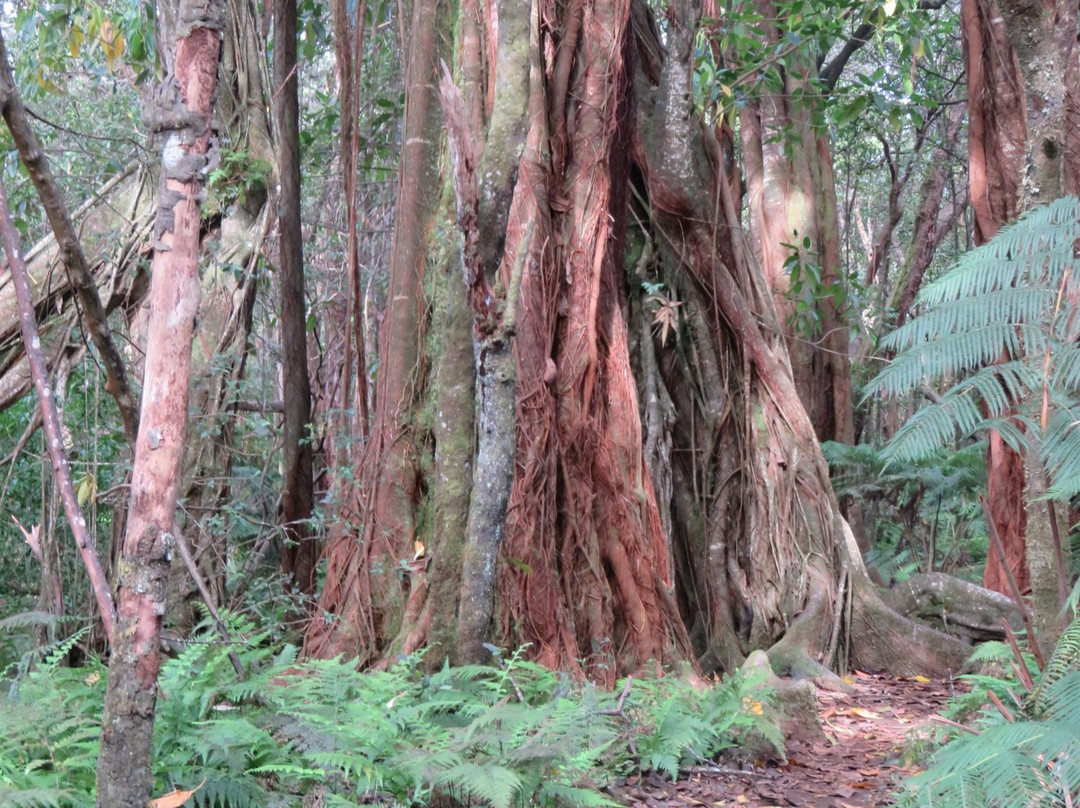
[(93, 312), (863, 34), (51, 418)]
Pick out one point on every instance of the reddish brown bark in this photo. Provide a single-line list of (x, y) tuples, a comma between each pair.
[(366, 589), (997, 153), (183, 113), (588, 577), (792, 202)]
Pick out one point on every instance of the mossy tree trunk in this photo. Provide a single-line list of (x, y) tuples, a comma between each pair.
[(698, 531)]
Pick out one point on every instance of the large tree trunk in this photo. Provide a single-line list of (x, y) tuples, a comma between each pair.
[(791, 197), (616, 554), (183, 112)]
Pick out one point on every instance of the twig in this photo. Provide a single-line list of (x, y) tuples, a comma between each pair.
[(193, 569), (955, 724), (1021, 666), (617, 710), (1001, 708)]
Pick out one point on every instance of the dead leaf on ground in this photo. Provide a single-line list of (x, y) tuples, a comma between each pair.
[(174, 799)]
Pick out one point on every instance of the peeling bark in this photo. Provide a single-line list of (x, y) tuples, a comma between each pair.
[(182, 111)]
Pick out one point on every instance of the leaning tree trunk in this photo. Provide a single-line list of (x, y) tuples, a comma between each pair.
[(182, 111)]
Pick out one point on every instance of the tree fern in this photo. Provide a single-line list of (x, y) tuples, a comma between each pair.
[(1029, 762), (1012, 299)]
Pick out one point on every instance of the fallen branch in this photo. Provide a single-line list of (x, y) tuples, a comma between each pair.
[(51, 417), (93, 312)]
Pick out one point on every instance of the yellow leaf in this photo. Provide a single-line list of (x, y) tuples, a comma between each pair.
[(742, 799), (920, 679), (112, 44), (75, 40), (863, 712), (418, 550), (44, 83), (92, 679), (174, 799), (752, 706)]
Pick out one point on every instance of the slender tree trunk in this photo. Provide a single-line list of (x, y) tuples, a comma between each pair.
[(298, 493), (182, 112)]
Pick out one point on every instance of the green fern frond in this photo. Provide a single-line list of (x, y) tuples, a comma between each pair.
[(38, 798), (554, 793), (1010, 299), (489, 783), (1064, 659)]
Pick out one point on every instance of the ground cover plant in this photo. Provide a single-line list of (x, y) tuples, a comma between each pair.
[(509, 734)]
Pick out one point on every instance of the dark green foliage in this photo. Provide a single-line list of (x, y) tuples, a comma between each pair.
[(994, 662), (515, 735), (920, 516), (1064, 660)]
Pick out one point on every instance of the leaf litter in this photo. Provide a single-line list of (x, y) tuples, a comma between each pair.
[(874, 737)]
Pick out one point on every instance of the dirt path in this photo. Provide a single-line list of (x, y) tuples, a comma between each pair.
[(871, 736)]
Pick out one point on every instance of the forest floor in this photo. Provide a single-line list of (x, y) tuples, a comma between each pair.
[(873, 737)]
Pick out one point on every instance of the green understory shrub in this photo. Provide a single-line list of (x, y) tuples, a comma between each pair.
[(516, 734)]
